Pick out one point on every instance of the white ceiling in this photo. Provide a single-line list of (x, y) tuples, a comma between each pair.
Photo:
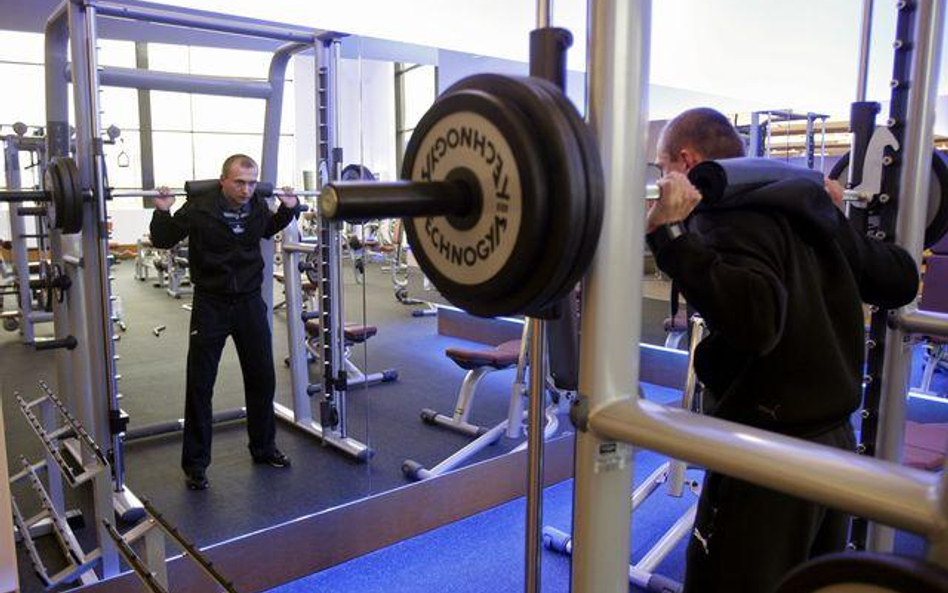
[(786, 53), (799, 54)]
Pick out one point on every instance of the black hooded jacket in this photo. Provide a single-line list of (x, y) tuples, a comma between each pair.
[(779, 275), (222, 264)]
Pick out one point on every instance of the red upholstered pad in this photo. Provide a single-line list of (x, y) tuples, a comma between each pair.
[(925, 444), (679, 323), (353, 333), (359, 333), (500, 357)]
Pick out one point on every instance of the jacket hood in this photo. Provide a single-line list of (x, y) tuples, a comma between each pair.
[(766, 184)]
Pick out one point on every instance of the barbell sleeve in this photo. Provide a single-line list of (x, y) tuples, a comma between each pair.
[(358, 200), (69, 343), (23, 195)]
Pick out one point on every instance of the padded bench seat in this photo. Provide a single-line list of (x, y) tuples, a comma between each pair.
[(500, 357), (352, 332)]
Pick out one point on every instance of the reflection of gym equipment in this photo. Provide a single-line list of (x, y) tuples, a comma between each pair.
[(179, 281), (642, 573), (479, 363), (64, 195), (43, 415), (321, 331), (76, 191), (146, 257), (30, 285)]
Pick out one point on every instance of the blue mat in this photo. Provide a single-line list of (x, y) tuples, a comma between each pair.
[(485, 552)]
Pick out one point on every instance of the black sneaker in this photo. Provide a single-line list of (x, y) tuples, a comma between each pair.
[(274, 459), (196, 479)]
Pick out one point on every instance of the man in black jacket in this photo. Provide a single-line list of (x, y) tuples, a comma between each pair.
[(224, 227), (780, 277)]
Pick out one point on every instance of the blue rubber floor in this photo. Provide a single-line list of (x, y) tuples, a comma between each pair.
[(485, 552)]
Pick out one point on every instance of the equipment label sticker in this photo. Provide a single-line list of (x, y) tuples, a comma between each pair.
[(470, 141), (612, 456)]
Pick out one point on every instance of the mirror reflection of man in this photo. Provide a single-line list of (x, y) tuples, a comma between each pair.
[(224, 229)]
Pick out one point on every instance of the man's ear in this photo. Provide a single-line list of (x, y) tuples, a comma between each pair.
[(690, 157)]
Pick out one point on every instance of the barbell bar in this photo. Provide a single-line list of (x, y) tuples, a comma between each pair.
[(40, 195), (64, 196), (406, 198), (359, 201)]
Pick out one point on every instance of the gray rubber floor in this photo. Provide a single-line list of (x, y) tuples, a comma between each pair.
[(244, 497)]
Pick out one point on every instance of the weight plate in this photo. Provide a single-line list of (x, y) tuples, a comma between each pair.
[(54, 188), (594, 181), (479, 262), (564, 176), (68, 199), (312, 268), (936, 223)]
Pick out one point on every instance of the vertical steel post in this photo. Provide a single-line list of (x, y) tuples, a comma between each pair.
[(536, 415), (98, 347), (914, 180), (865, 39), (612, 293)]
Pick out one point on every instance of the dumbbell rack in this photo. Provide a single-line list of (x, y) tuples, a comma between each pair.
[(59, 432), (152, 569)]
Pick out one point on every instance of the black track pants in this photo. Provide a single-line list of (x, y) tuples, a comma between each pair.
[(212, 320), (746, 538)]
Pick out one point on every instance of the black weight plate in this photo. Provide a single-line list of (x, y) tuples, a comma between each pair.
[(865, 571), (69, 209), (936, 222), (312, 269), (53, 186), (492, 283), (565, 178), (356, 172), (570, 175), (595, 184)]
